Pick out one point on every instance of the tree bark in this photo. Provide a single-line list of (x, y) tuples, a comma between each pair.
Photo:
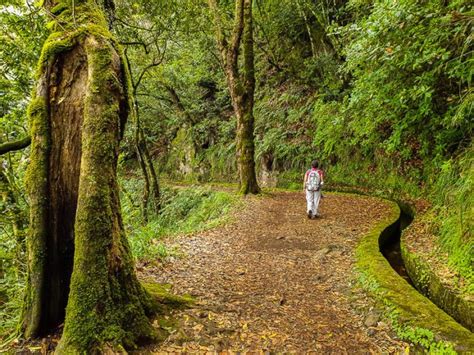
[(241, 87), (154, 178), (80, 268), (147, 167), (245, 126)]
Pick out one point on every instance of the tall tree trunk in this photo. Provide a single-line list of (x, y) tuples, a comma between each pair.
[(308, 27), (245, 123), (146, 164), (141, 161), (144, 158), (241, 87), (153, 176), (80, 269)]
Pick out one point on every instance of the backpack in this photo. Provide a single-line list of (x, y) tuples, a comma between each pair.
[(313, 183)]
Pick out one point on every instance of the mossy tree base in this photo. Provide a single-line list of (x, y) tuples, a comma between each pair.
[(246, 152), (78, 254)]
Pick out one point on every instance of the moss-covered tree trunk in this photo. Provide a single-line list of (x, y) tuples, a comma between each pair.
[(241, 87), (80, 269), (245, 120)]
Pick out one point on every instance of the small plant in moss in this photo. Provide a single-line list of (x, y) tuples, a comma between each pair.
[(423, 337), (368, 282)]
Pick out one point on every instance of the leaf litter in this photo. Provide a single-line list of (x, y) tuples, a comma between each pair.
[(275, 281)]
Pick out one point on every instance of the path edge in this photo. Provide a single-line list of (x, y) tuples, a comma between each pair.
[(413, 316)]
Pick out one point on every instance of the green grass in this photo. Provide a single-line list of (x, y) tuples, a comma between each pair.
[(185, 209)]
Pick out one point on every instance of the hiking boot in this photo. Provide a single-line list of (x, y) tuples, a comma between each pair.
[(310, 214)]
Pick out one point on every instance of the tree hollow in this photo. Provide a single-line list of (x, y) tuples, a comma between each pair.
[(67, 83)]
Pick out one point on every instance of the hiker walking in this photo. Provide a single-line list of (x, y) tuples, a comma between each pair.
[(313, 180)]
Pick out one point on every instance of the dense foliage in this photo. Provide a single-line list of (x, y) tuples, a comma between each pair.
[(407, 119)]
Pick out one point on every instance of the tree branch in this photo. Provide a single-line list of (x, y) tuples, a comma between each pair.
[(248, 50), (233, 52), (229, 52), (140, 77), (177, 101), (123, 22), (15, 145), (136, 43), (156, 97), (155, 63), (221, 40)]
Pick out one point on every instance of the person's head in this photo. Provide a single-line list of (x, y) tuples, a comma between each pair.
[(315, 164)]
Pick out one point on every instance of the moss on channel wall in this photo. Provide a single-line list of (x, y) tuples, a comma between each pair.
[(414, 317)]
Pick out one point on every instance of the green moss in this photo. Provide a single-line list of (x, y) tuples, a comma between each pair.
[(165, 303), (428, 282), (410, 311), (107, 307), (36, 111), (60, 7), (182, 156), (161, 293), (40, 145), (69, 28), (37, 190)]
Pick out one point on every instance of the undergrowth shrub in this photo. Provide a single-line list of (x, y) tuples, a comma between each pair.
[(12, 284), (184, 210), (404, 128), (453, 193)]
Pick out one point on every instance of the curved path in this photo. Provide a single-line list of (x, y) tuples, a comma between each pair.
[(273, 280)]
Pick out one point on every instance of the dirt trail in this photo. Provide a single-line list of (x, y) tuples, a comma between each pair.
[(273, 280)]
